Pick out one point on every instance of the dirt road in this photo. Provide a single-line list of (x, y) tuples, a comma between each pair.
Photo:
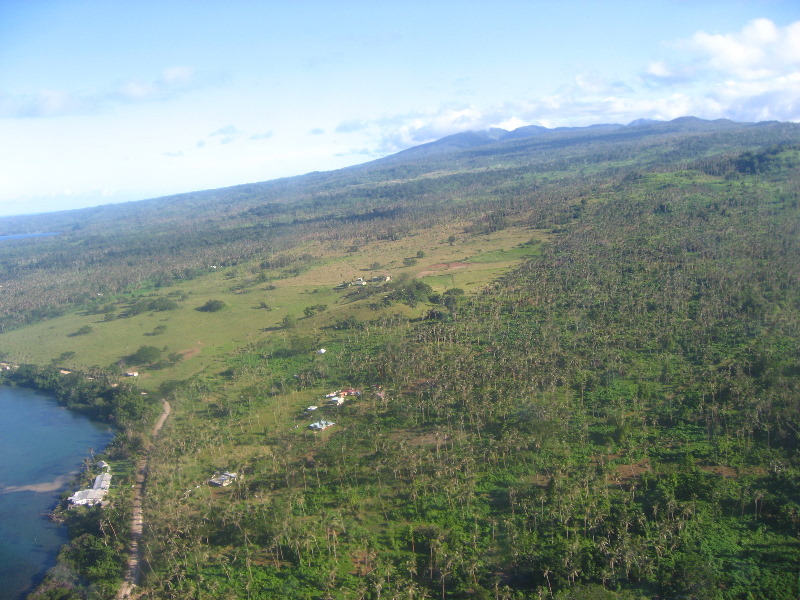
[(133, 573)]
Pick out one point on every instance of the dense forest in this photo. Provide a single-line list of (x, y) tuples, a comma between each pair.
[(616, 417)]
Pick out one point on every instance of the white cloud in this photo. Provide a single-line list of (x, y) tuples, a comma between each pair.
[(511, 124), (760, 50), (772, 99), (55, 103), (171, 82), (591, 83), (262, 136), (402, 131), (228, 134), (228, 130), (659, 73), (46, 103), (350, 126), (177, 76), (749, 75), (743, 55)]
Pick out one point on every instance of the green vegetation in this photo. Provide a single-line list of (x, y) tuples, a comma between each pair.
[(92, 394), (586, 385), (145, 355), (84, 330), (212, 306)]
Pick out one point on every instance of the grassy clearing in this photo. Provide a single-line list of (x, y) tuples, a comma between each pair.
[(255, 311)]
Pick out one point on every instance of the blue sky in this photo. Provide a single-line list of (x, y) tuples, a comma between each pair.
[(105, 101)]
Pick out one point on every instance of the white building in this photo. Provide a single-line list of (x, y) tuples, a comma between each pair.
[(223, 480), (320, 425), (102, 483)]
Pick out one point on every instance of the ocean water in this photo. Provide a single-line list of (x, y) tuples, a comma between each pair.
[(41, 447)]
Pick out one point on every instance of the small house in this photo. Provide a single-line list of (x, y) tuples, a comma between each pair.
[(102, 483), (87, 497), (223, 480), (321, 425)]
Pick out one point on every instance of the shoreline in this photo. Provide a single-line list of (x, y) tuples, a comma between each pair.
[(43, 451)]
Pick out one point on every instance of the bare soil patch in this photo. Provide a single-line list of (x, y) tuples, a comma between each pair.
[(725, 471), (720, 470), (190, 352), (439, 267), (628, 472), (362, 563)]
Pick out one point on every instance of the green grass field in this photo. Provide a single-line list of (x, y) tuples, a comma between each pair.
[(204, 339)]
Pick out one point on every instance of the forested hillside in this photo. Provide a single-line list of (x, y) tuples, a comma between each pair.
[(117, 248), (616, 416)]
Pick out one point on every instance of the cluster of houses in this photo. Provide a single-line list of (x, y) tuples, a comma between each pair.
[(95, 495), (360, 281), (336, 398)]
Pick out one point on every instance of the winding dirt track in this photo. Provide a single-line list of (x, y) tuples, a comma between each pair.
[(133, 573)]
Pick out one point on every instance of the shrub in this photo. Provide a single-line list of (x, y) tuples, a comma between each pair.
[(211, 306), (85, 330), (145, 355)]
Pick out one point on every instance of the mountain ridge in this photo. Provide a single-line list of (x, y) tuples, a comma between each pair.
[(472, 139), (475, 147)]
